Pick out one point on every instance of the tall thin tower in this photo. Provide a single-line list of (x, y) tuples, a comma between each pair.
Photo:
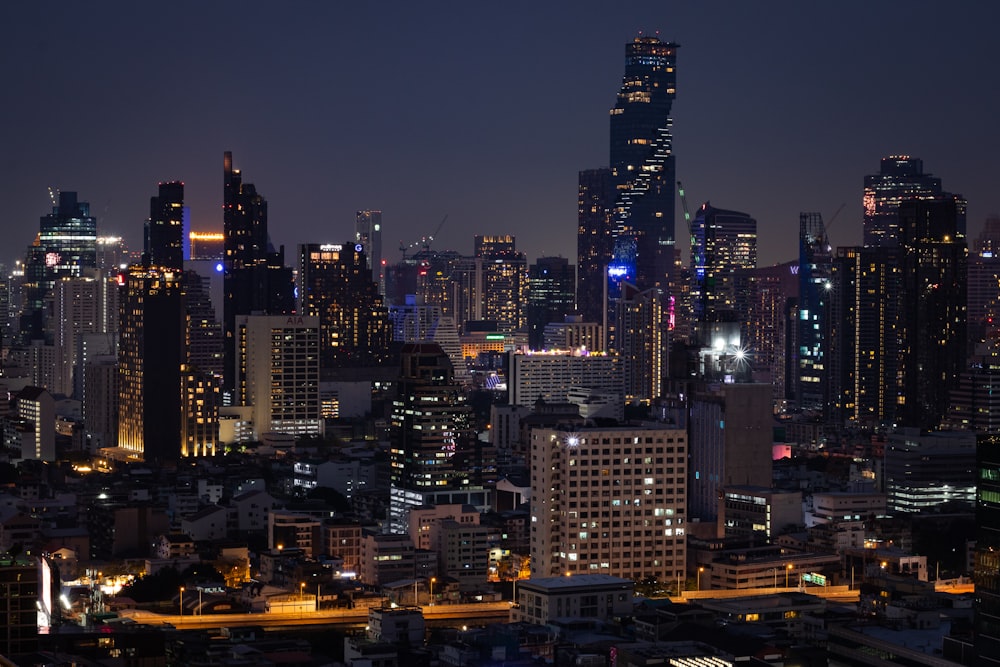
[(642, 162)]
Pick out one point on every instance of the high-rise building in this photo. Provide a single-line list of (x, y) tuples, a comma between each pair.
[(84, 305), (164, 242), (204, 331), (815, 266), (279, 372), (933, 306), (65, 246), (551, 289), (863, 350), (430, 428), (256, 279), (900, 177), (502, 273), (336, 286), (724, 243), (151, 351), (368, 232), (642, 163), (573, 333), (768, 291), (594, 242), (984, 287), (609, 501), (641, 342)]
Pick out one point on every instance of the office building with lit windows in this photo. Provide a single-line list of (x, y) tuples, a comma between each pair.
[(609, 501), (164, 234), (151, 351), (279, 373), (724, 243), (551, 296), (642, 162), (812, 385), (594, 241), (336, 286), (433, 447), (502, 274), (66, 245), (900, 177)]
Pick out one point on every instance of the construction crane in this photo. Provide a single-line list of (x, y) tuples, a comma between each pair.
[(826, 227), (424, 242), (54, 195)]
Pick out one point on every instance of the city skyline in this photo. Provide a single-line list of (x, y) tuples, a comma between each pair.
[(483, 114)]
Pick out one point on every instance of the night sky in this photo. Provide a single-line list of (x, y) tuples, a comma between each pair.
[(483, 111)]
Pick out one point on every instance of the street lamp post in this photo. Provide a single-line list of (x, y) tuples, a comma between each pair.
[(787, 570), (318, 584), (181, 605), (199, 600), (700, 570), (302, 591), (433, 579)]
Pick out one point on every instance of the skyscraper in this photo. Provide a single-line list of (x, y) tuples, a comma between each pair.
[(164, 242), (551, 288), (151, 351), (594, 242), (815, 265), (900, 177), (862, 345), (368, 232), (430, 429), (66, 245), (724, 242), (933, 352), (336, 286), (256, 279), (642, 162), (502, 275)]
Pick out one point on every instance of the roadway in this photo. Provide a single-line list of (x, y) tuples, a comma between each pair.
[(440, 614)]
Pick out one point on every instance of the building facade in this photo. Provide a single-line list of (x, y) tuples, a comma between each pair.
[(609, 501)]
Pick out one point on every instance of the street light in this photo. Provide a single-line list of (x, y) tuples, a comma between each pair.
[(302, 591), (700, 570), (787, 570), (181, 605), (433, 579), (199, 600)]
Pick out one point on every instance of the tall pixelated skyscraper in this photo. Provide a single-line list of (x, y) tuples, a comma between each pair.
[(642, 162), (256, 279)]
